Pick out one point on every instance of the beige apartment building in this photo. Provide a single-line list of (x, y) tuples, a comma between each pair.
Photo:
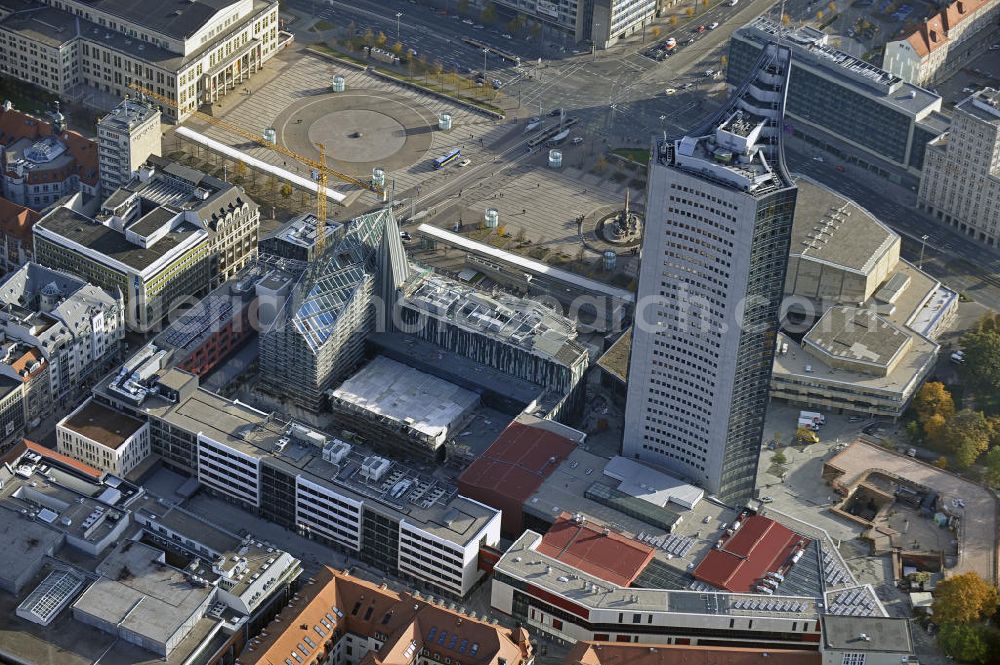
[(961, 181), (192, 53)]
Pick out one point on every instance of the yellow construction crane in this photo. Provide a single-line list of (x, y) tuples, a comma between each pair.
[(319, 166), (321, 202)]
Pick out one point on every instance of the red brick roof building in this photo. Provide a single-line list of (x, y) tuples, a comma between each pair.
[(336, 613), (760, 545), (595, 550), (944, 42), (512, 468), (41, 164), (16, 222), (611, 653)]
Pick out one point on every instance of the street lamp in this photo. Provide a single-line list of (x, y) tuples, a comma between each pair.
[(399, 15), (923, 243), (485, 53)]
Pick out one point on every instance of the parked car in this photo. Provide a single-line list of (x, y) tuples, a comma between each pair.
[(554, 112), (670, 91), (709, 73), (767, 499), (404, 235), (496, 83), (468, 21), (577, 140), (506, 35), (687, 86), (958, 357), (464, 163), (700, 28)]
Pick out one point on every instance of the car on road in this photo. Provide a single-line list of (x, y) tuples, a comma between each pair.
[(692, 40), (732, 3), (670, 91), (968, 89), (871, 429), (464, 163), (404, 235), (700, 28), (840, 168), (578, 140), (496, 83), (818, 158), (506, 35), (709, 73), (479, 26), (456, 17), (707, 519), (468, 21), (687, 86), (995, 47), (856, 419), (554, 112), (767, 499), (713, 25)]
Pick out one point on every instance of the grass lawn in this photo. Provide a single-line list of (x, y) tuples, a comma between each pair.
[(635, 154), (26, 97), (322, 25)]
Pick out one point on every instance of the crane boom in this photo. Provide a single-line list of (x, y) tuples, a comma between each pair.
[(320, 166)]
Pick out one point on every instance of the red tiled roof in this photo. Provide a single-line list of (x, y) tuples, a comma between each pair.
[(405, 624), (27, 359), (758, 546), (935, 31), (611, 557), (16, 220), (512, 468), (63, 460), (614, 653), (15, 125)]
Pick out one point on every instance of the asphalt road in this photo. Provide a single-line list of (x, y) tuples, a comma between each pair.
[(618, 97), (949, 256)]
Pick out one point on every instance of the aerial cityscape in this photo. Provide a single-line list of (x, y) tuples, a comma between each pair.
[(499, 332)]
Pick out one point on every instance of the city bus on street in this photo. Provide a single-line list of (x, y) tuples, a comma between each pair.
[(443, 160)]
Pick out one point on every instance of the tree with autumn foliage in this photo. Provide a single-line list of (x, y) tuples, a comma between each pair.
[(965, 598), (933, 406)]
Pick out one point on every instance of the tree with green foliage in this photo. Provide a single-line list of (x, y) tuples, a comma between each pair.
[(965, 642), (981, 370), (381, 40), (966, 436), (991, 474), (964, 599), (779, 458), (397, 49)]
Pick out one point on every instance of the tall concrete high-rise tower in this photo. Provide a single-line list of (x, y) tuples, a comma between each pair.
[(715, 247), (126, 137)]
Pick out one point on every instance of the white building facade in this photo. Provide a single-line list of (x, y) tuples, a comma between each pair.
[(126, 138), (192, 55), (105, 439)]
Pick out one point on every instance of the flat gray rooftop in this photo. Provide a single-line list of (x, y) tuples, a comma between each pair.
[(449, 516), (984, 105), (22, 542), (857, 335), (130, 574), (67, 641), (104, 240), (389, 390), (834, 230), (884, 634)]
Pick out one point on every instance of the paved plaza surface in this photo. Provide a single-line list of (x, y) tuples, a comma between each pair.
[(375, 122)]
